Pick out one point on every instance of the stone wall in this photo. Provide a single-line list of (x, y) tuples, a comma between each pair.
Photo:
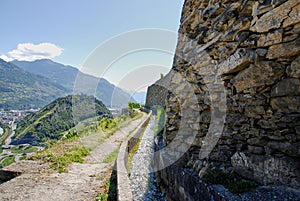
[(234, 96), (157, 93)]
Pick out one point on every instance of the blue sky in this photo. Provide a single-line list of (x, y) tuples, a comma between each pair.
[(69, 32)]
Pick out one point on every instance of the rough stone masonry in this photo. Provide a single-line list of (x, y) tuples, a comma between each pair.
[(234, 97)]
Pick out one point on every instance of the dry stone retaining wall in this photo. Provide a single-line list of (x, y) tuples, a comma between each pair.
[(241, 60)]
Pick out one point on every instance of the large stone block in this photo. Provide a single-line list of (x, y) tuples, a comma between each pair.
[(257, 75), (284, 50), (288, 104), (236, 62), (286, 87), (274, 18)]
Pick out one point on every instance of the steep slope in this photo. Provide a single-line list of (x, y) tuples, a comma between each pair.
[(78, 82), (20, 89), (57, 117)]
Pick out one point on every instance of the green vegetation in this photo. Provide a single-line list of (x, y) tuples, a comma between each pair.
[(71, 135), (91, 126), (232, 183), (75, 155), (132, 105), (112, 156), (24, 90), (160, 121), (108, 124), (59, 116), (7, 161), (23, 149), (132, 109), (62, 154), (132, 152), (137, 116), (161, 76), (6, 133)]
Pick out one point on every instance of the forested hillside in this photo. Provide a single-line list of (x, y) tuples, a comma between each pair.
[(64, 113)]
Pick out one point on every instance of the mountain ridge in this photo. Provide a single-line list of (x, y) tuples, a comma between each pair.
[(78, 82), (20, 89)]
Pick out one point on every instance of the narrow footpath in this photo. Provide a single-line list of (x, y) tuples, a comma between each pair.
[(83, 181)]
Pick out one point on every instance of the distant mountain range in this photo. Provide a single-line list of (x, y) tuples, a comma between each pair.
[(65, 78), (59, 116), (139, 96), (20, 89)]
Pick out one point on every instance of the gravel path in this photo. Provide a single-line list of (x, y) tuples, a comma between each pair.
[(142, 179), (82, 181)]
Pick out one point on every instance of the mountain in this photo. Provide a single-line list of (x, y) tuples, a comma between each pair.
[(20, 89), (139, 96), (57, 117), (78, 82)]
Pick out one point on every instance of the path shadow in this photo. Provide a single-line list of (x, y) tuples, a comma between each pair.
[(112, 195)]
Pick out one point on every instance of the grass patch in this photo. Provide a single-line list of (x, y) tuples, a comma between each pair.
[(160, 121), (7, 161), (122, 123), (62, 154), (112, 156), (23, 149), (231, 182), (132, 152), (137, 116)]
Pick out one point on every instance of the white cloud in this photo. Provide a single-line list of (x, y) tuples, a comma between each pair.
[(31, 52), (6, 58)]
